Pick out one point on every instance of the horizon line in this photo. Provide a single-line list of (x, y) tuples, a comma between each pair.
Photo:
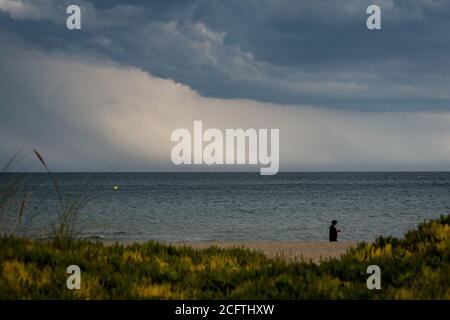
[(255, 172)]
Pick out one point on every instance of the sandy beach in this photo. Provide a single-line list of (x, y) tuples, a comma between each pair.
[(315, 250)]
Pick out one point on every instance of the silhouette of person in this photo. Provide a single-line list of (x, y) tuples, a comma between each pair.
[(333, 231)]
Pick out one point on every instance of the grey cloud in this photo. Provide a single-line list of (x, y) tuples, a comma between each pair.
[(84, 113), (291, 52)]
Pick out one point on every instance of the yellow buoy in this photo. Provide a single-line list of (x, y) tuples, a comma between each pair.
[(115, 188)]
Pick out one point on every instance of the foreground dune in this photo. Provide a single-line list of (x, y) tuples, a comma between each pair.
[(414, 267), (315, 251)]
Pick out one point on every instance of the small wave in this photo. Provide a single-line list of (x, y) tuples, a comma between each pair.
[(94, 237)]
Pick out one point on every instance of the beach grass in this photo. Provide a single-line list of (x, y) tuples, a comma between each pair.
[(416, 266), (67, 209)]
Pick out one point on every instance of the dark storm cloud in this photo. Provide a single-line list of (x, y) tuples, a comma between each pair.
[(94, 98), (296, 52)]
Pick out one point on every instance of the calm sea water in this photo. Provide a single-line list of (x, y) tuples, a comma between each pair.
[(237, 206)]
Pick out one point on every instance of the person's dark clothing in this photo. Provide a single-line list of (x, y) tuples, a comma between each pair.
[(333, 233)]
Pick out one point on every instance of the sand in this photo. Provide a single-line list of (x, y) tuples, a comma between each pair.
[(290, 251)]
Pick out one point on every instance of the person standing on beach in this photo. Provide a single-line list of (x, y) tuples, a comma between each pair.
[(333, 231)]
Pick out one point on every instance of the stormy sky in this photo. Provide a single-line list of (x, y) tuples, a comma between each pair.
[(344, 97)]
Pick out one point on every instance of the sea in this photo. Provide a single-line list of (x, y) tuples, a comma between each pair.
[(230, 207)]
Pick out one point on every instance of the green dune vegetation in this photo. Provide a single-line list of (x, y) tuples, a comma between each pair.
[(414, 267)]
